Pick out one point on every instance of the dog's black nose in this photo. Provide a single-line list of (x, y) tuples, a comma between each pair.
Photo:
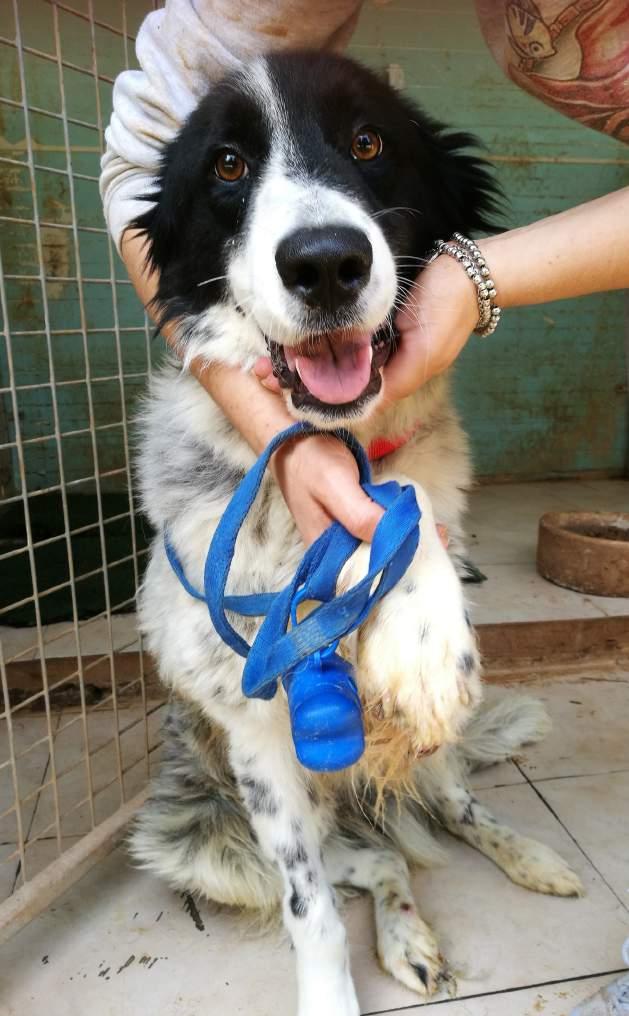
[(326, 266)]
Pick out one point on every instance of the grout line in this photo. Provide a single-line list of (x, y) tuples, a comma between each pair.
[(574, 776), (573, 837), (35, 809), (497, 786), (494, 994)]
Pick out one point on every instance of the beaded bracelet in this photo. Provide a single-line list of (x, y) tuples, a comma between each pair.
[(469, 256)]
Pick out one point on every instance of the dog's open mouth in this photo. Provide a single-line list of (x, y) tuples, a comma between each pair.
[(335, 371)]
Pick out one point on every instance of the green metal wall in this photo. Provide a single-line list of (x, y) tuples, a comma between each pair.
[(545, 396)]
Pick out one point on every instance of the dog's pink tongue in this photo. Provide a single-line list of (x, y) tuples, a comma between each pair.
[(339, 373)]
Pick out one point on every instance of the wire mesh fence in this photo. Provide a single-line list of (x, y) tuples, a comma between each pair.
[(79, 720)]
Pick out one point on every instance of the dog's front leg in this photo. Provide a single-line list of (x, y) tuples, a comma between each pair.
[(290, 828), (416, 654)]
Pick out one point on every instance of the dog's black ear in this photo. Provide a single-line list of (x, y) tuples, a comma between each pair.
[(165, 208), (148, 224), (471, 193), (169, 200), (460, 182)]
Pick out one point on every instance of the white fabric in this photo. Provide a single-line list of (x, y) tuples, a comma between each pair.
[(181, 49)]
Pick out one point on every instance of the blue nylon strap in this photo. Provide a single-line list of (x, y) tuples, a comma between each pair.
[(277, 650), (253, 605), (221, 552)]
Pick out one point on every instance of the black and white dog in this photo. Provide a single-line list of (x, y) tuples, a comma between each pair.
[(294, 209)]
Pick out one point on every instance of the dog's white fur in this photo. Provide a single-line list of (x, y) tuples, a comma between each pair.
[(233, 815)]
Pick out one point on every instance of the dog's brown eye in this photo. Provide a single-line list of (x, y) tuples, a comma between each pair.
[(366, 144), (230, 166)]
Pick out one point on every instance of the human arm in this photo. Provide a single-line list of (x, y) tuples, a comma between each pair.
[(579, 251)]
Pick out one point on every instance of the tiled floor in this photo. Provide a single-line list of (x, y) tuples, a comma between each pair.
[(121, 942), (502, 529), (34, 766), (60, 639)]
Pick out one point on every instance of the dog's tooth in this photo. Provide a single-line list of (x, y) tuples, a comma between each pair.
[(290, 358)]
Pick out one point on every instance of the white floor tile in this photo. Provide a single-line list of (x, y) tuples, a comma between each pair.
[(495, 934), (504, 775), (94, 635), (596, 811), (502, 526), (590, 728), (503, 519), (60, 639), (613, 606), (41, 853), (555, 1000), (515, 592), (31, 764), (121, 942), (602, 495), (20, 643), (70, 761)]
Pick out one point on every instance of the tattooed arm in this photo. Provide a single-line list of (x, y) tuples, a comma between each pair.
[(571, 54)]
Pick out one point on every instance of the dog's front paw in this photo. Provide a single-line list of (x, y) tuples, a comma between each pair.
[(535, 866), (408, 950), (417, 655)]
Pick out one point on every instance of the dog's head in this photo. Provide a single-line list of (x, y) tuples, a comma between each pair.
[(295, 206)]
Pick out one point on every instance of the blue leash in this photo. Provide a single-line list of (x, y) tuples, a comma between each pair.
[(324, 705)]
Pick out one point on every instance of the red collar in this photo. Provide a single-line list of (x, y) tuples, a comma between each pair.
[(379, 447)]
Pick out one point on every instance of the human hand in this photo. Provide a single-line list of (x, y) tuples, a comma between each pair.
[(318, 477), (438, 315)]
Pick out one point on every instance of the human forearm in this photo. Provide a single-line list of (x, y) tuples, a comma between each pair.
[(582, 250)]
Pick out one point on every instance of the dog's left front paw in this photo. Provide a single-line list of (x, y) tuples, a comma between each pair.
[(535, 866), (417, 655), (408, 950)]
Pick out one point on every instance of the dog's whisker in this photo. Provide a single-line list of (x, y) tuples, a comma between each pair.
[(206, 282), (396, 208)]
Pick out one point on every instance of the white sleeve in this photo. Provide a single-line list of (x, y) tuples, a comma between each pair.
[(181, 49)]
